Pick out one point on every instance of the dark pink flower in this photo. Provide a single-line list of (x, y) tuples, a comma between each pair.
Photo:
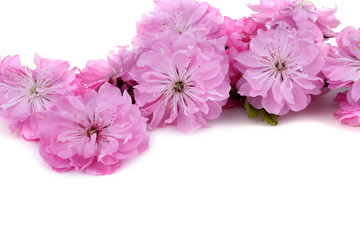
[(114, 71), (240, 32)]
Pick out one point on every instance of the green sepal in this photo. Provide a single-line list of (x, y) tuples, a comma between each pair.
[(251, 111), (269, 118)]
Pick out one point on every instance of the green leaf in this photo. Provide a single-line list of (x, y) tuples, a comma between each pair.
[(251, 111), (270, 119)]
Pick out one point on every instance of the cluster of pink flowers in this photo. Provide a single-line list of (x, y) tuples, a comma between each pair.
[(77, 127), (186, 63)]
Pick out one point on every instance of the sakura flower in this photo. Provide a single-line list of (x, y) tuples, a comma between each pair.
[(280, 70), (343, 65), (178, 16), (349, 113), (299, 14), (114, 71), (185, 85), (24, 92), (93, 133)]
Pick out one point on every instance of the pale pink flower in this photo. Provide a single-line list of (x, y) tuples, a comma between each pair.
[(182, 84), (93, 133), (349, 113), (115, 70), (299, 14), (178, 16), (342, 67), (281, 70), (24, 92)]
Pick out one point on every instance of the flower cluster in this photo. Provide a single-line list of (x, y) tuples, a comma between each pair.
[(85, 121), (78, 128), (186, 63)]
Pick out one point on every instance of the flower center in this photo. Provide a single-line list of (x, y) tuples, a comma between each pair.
[(280, 66), (33, 91), (179, 86), (111, 80), (92, 130), (179, 28), (179, 23), (179, 31), (305, 3)]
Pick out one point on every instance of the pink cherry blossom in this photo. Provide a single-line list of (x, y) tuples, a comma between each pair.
[(299, 14), (93, 133), (183, 83), (178, 16), (349, 113), (114, 71), (24, 92), (342, 67), (281, 70)]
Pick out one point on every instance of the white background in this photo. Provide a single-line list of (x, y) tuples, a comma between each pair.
[(238, 179)]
